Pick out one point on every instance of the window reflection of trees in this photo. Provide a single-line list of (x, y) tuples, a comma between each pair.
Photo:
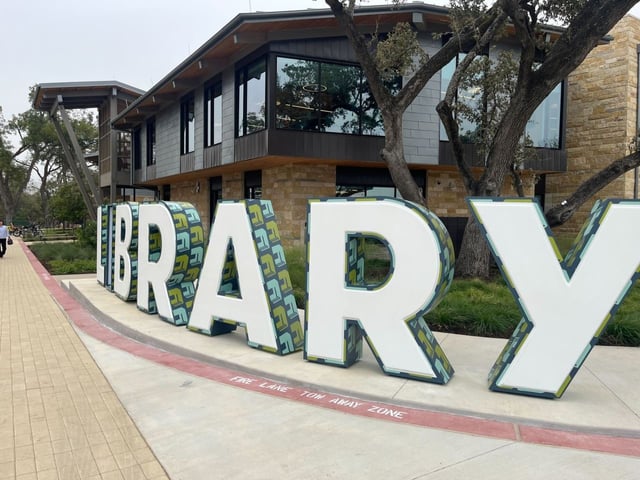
[(325, 97), (338, 98), (542, 130), (250, 98), (294, 102), (256, 84)]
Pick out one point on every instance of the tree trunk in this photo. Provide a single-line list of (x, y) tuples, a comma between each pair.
[(393, 156), (401, 176), (9, 206), (44, 202), (474, 260)]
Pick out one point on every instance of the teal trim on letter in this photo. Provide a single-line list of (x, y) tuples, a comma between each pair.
[(354, 278), (276, 282), (569, 265)]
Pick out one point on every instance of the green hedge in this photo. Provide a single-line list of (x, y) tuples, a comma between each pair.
[(65, 258)]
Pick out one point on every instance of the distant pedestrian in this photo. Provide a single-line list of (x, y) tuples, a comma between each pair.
[(4, 235)]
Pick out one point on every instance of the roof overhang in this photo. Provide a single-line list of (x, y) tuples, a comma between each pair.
[(81, 94), (248, 32)]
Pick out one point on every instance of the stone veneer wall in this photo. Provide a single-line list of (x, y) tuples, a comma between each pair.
[(233, 186), (446, 193), (289, 187), (195, 192), (601, 120)]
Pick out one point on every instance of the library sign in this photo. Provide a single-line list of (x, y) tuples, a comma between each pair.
[(154, 254)]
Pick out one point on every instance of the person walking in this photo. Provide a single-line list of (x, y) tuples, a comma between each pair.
[(4, 236)]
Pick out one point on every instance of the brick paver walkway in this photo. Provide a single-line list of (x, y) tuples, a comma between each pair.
[(59, 417)]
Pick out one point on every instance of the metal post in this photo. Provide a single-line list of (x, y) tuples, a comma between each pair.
[(91, 206), (80, 156)]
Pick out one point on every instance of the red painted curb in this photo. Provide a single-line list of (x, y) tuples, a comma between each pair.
[(504, 430)]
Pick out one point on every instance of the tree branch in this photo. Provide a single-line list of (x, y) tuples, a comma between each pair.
[(595, 19), (485, 27), (445, 111), (517, 180), (565, 210), (360, 46)]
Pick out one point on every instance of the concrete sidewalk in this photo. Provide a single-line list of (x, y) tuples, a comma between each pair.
[(215, 408)]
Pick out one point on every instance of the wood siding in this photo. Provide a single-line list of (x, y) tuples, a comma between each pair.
[(188, 162), (212, 156)]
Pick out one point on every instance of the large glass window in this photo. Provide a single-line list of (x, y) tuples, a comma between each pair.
[(338, 98), (124, 151), (151, 141), (215, 196), (468, 96), (325, 97), (543, 128), (187, 125), (366, 191), (251, 84), (213, 114)]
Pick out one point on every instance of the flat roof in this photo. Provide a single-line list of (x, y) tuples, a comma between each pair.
[(82, 94)]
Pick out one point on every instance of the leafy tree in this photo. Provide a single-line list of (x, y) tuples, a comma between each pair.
[(67, 204), (541, 65), (29, 211), (43, 150), (396, 57), (14, 175), (39, 154)]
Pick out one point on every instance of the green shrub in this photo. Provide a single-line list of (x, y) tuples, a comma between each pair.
[(65, 258), (476, 307), (86, 235), (70, 267), (296, 264), (624, 328)]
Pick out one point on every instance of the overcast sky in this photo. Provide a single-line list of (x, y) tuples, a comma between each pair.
[(136, 42)]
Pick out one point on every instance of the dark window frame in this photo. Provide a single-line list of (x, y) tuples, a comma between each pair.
[(212, 96), (242, 92), (328, 63), (136, 149), (187, 124), (253, 184), (151, 141)]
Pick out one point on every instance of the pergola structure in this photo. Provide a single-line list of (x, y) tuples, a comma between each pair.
[(110, 98)]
